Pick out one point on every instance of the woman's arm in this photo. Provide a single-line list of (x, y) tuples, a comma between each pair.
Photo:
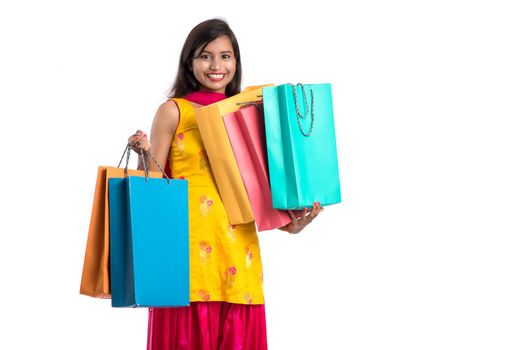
[(164, 126)]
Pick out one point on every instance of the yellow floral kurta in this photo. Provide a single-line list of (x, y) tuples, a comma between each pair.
[(225, 263)]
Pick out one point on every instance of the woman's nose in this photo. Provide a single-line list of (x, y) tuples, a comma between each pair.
[(214, 64)]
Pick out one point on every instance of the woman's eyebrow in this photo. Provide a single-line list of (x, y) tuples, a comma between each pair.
[(205, 51)]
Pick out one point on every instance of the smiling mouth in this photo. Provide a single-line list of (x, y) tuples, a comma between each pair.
[(216, 77)]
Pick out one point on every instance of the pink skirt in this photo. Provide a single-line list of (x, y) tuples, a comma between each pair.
[(208, 326)]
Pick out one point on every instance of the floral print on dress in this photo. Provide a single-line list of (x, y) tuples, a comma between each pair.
[(229, 276), (205, 252), (248, 299), (204, 162), (205, 205), (218, 265), (231, 232), (204, 295), (179, 144), (249, 256)]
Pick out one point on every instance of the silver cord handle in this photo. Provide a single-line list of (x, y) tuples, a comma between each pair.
[(249, 102), (127, 153), (297, 111)]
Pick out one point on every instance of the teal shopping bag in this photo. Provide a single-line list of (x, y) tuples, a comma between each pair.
[(149, 242), (301, 145)]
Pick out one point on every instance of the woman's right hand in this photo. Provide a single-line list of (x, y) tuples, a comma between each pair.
[(138, 141)]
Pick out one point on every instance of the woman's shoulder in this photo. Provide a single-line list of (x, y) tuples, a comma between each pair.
[(177, 114), (168, 115), (169, 107), (176, 105)]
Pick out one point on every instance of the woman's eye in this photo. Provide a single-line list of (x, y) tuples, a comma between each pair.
[(226, 56), (204, 57)]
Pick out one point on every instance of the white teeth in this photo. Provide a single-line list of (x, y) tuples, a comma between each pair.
[(216, 76)]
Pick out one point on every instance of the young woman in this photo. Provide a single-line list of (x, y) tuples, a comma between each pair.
[(227, 302)]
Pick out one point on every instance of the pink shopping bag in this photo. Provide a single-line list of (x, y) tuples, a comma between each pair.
[(246, 132)]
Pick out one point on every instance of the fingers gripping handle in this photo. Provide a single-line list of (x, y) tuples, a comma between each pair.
[(144, 158)]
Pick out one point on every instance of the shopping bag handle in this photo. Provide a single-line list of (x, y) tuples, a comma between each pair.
[(299, 115), (146, 164), (127, 153), (257, 104), (248, 103)]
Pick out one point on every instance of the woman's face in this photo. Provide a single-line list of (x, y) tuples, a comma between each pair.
[(215, 66)]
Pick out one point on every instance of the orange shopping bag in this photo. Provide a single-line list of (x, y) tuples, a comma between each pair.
[(95, 274)]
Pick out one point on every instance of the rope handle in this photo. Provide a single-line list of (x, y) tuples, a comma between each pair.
[(247, 103), (297, 111), (144, 156)]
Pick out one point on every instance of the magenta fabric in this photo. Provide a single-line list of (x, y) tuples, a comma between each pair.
[(205, 98), (208, 326), (246, 132)]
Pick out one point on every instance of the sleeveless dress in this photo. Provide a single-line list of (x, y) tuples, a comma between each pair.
[(226, 279), (225, 263)]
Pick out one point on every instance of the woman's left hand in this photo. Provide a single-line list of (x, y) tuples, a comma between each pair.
[(297, 224)]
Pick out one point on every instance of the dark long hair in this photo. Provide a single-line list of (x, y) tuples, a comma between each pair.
[(198, 38)]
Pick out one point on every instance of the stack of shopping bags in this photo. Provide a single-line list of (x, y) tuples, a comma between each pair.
[(137, 250), (272, 149)]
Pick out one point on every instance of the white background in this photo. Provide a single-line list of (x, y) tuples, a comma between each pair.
[(426, 250)]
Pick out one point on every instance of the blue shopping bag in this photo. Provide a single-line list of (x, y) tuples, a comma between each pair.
[(301, 145), (149, 243)]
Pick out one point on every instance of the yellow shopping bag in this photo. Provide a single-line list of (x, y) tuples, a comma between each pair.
[(221, 156)]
